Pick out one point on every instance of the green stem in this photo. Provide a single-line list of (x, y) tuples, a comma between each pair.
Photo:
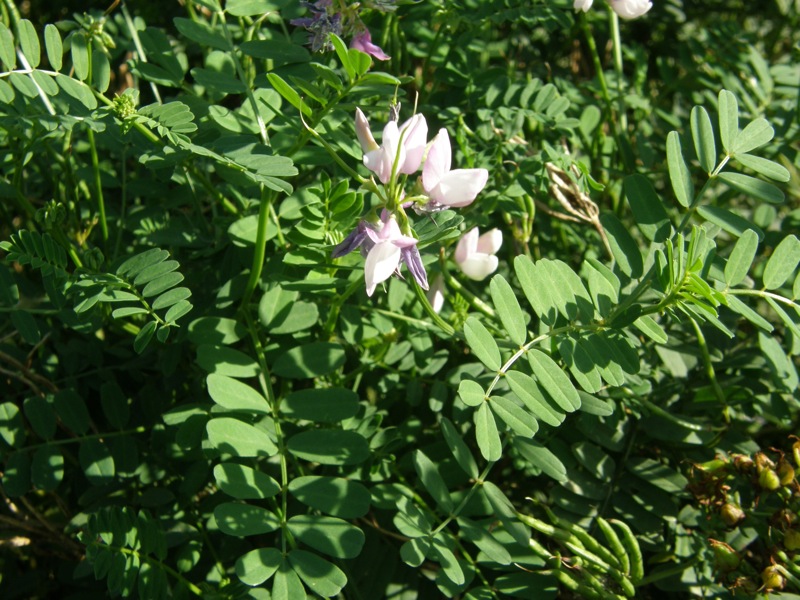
[(265, 381), (709, 367), (467, 497), (260, 250), (617, 42), (474, 301), (262, 127), (696, 200), (98, 187), (138, 45), (598, 67), (665, 414), (83, 438), (765, 294), (336, 306), (426, 305)]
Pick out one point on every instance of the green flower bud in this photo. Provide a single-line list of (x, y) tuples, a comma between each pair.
[(732, 514), (772, 579), (791, 540), (785, 472), (796, 453), (742, 462), (93, 259), (768, 479), (726, 559), (125, 106)]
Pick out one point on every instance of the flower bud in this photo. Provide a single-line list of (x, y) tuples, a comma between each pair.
[(785, 472), (791, 540), (726, 559), (768, 479), (742, 462), (762, 461), (772, 579), (732, 514), (796, 453)]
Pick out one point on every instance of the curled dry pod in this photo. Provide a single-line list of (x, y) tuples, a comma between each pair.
[(772, 579), (732, 514), (726, 559)]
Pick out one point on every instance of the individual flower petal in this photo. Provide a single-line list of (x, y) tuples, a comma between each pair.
[(479, 266), (583, 5), (363, 133), (436, 294), (475, 255), (414, 134), (402, 146), (456, 188), (382, 261), (490, 242), (460, 187), (467, 245), (363, 41), (410, 256), (437, 163), (387, 247), (630, 9), (355, 239), (381, 160)]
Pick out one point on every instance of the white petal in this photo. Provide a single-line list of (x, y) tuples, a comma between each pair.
[(436, 294), (414, 141), (390, 143), (437, 163), (381, 262), (479, 266), (363, 133), (631, 9), (460, 187), (583, 5), (467, 245), (490, 242)]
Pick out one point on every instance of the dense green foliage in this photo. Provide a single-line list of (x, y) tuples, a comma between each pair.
[(197, 399)]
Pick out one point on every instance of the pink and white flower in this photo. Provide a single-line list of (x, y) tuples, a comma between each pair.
[(402, 146), (363, 41), (475, 256), (630, 9), (454, 188), (383, 258)]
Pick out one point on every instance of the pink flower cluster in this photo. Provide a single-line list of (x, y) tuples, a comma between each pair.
[(403, 149)]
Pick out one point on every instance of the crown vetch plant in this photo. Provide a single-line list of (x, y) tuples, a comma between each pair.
[(535, 338)]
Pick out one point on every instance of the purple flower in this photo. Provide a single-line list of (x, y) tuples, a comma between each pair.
[(363, 41), (320, 24), (355, 239), (385, 247)]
